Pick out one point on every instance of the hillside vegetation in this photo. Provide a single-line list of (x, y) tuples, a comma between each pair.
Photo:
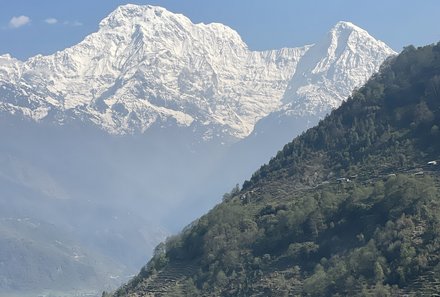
[(349, 208)]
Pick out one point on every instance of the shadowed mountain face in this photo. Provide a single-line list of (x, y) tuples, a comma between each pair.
[(351, 207), (142, 126)]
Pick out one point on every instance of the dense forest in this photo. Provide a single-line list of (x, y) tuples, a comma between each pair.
[(349, 208)]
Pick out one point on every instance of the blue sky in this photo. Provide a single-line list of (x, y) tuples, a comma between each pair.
[(30, 27)]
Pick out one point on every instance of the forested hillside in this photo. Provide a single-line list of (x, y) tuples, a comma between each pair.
[(349, 208)]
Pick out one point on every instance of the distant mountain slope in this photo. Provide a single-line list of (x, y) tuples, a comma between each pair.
[(146, 65), (35, 256), (349, 208), (67, 209)]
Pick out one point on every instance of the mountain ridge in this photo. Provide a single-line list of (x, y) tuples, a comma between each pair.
[(147, 65)]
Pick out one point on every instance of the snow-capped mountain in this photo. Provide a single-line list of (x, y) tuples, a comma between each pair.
[(326, 75), (146, 65), (330, 70)]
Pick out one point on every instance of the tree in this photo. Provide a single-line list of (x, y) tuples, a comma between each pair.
[(433, 88), (378, 273), (422, 114), (221, 279), (435, 131)]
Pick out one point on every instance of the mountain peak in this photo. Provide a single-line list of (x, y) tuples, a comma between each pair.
[(347, 26), (348, 33), (131, 14), (332, 68), (134, 9), (157, 22)]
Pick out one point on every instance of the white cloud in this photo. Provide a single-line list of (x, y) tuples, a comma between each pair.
[(17, 22), (77, 24), (51, 21), (73, 24)]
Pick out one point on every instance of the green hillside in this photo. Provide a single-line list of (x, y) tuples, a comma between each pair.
[(349, 208)]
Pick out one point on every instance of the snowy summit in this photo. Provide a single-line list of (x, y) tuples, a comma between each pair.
[(147, 66)]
